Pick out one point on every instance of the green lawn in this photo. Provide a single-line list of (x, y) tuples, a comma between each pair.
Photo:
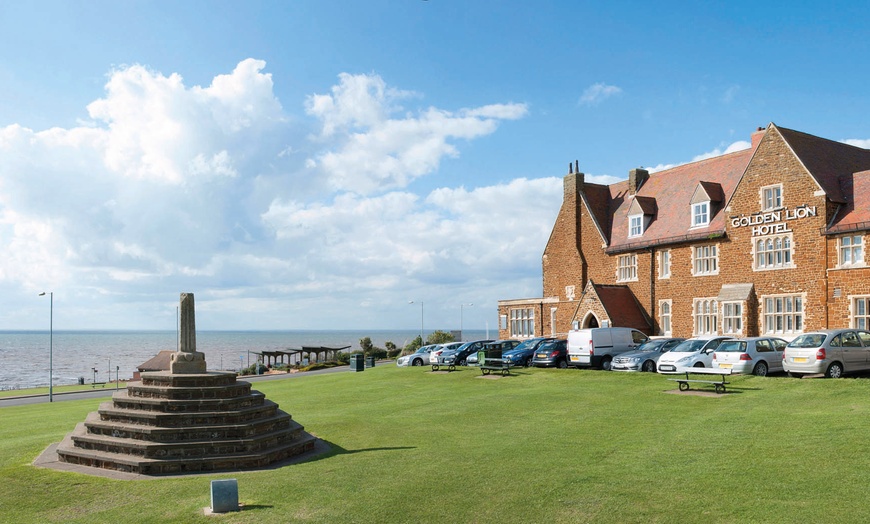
[(544, 446)]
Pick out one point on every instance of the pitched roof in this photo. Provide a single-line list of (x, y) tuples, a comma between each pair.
[(622, 307), (826, 160), (159, 362), (854, 215)]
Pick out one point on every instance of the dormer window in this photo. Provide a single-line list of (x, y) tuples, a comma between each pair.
[(701, 214), (635, 227)]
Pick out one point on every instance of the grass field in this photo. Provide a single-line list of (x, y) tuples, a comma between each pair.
[(543, 446)]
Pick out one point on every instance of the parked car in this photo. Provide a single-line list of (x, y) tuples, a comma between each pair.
[(756, 355), (553, 353), (459, 356), (523, 354), (646, 356), (695, 352), (829, 351), (503, 345), (418, 358), (447, 346), (596, 347)]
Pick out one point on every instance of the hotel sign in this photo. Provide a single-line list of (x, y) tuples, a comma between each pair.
[(772, 222)]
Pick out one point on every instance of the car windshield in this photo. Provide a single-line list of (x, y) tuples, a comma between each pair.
[(690, 346), (812, 340), (650, 345), (528, 344), (732, 346)]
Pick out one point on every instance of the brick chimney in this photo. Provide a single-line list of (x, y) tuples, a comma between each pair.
[(573, 183), (757, 135), (636, 178)]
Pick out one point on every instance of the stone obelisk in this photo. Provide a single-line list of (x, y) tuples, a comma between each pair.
[(187, 360)]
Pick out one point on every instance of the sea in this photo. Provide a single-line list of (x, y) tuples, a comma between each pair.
[(105, 356)]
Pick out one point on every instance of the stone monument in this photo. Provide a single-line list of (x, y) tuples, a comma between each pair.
[(187, 420), (187, 360)]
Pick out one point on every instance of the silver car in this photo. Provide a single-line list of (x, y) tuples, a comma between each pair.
[(418, 358), (829, 351), (756, 355), (646, 356)]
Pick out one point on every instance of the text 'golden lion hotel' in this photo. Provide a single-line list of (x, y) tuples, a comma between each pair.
[(768, 240)]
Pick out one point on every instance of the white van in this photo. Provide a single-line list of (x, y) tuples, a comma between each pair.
[(596, 347)]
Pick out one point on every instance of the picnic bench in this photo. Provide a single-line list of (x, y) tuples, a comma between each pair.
[(718, 384), (95, 384), (495, 365), (436, 366)]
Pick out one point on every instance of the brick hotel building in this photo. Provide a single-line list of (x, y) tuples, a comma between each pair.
[(768, 240)]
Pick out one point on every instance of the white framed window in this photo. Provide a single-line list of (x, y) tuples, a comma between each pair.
[(700, 214), (706, 313), (732, 317), (860, 312), (635, 225), (706, 260), (665, 264), (771, 197), (665, 317), (783, 314), (773, 252), (569, 292), (523, 323), (626, 268), (851, 250)]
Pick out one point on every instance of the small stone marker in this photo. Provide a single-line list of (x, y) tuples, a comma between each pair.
[(224, 495), (187, 360)]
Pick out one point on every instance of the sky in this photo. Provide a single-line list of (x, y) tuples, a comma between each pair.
[(365, 164)]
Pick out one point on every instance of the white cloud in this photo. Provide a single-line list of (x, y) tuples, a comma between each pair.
[(172, 188), (857, 142), (597, 93), (375, 150)]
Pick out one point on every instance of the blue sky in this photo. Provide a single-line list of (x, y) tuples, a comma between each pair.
[(318, 165)]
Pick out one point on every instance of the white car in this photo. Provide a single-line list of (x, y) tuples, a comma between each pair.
[(434, 354), (418, 358), (695, 352), (756, 355)]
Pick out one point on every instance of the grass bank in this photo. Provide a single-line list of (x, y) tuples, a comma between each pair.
[(544, 446)]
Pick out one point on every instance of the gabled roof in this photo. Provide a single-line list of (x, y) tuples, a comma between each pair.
[(713, 190), (854, 215), (642, 206), (159, 362), (672, 190), (622, 307), (827, 161)]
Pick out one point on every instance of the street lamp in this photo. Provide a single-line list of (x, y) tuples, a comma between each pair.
[(422, 340), (50, 345), (460, 319)]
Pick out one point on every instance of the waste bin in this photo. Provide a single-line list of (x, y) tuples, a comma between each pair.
[(370, 362), (81, 381), (356, 363)]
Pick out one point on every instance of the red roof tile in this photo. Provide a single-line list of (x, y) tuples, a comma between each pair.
[(622, 307), (855, 213)]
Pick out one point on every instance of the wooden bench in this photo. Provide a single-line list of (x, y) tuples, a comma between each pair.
[(718, 384), (495, 365), (437, 366), (95, 384)]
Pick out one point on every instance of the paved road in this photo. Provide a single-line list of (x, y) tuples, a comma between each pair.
[(107, 392)]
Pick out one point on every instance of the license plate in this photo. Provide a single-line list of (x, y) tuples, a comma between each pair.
[(541, 355), (725, 366), (575, 358), (799, 359), (668, 368)]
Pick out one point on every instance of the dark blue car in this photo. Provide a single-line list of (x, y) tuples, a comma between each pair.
[(522, 354), (459, 356)]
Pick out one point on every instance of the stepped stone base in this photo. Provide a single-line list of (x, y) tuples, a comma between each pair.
[(185, 423)]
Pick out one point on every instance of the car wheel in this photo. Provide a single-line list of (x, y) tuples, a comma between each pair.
[(562, 364), (463, 362), (698, 365), (605, 364), (835, 370), (649, 366), (529, 362), (417, 362), (760, 370)]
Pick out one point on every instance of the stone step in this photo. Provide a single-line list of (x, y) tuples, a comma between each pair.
[(212, 379), (123, 400), (110, 412), (194, 433), (150, 466), (240, 389), (82, 439)]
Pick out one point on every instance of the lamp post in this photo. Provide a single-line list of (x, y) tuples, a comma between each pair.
[(460, 319), (422, 340), (50, 345)]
